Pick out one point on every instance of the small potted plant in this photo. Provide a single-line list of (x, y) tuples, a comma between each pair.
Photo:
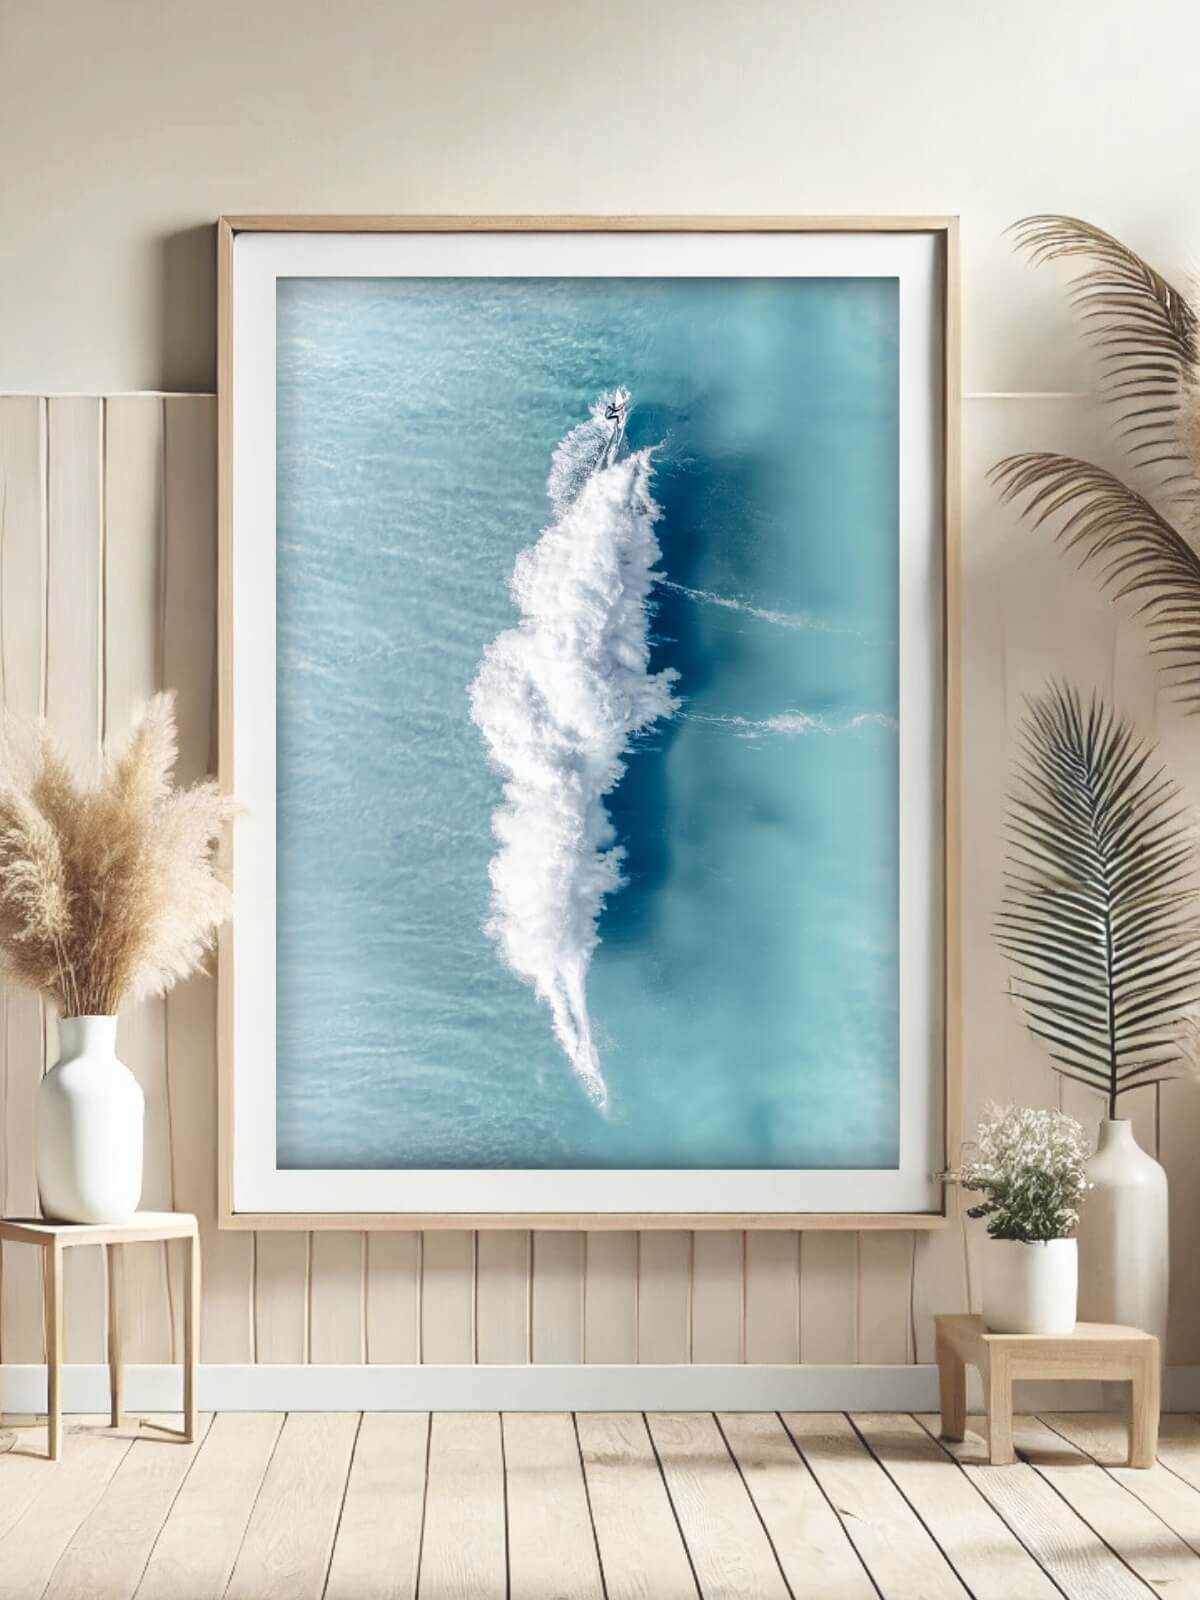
[(107, 891), (1031, 1168)]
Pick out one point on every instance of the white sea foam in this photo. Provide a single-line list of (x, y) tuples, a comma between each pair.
[(795, 722), (558, 698), (779, 619)]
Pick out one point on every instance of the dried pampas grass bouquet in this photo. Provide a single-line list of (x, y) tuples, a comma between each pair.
[(107, 890)]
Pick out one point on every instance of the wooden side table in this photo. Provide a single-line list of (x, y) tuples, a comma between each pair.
[(1093, 1350), (147, 1227)]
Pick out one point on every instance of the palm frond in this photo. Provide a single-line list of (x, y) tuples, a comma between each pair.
[(1097, 915), (1136, 551), (1146, 332)]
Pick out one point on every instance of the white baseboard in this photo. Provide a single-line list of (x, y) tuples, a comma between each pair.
[(528, 1388)]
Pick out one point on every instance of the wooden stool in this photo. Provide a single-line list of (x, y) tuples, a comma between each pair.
[(147, 1227), (1093, 1350)]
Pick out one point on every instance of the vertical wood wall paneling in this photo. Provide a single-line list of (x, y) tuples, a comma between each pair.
[(22, 684), (74, 707), (773, 1296), (829, 1298), (448, 1295), (1136, 695), (189, 668), (610, 1297), (1166, 1118), (502, 1296), (1179, 1136), (1179, 1102), (993, 1037), (281, 1297), (941, 1281), (133, 662), (717, 1277), (337, 1312), (885, 1281), (393, 1297), (556, 1307), (665, 1297), (337, 1262)]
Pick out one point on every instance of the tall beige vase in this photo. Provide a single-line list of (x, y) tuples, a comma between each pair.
[(1123, 1259)]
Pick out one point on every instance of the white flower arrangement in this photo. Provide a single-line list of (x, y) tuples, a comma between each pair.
[(1032, 1168)]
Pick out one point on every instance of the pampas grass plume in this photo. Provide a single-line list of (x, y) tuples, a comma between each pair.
[(107, 890)]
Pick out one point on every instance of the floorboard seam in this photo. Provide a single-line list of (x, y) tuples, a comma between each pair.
[(951, 1457), (671, 1502), (424, 1507), (337, 1526), (900, 1490), (828, 1499), (237, 1556), (587, 1495), (737, 1467), (174, 1500), (1075, 1511), (1120, 1482)]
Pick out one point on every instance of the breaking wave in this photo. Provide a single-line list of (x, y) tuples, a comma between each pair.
[(558, 699)]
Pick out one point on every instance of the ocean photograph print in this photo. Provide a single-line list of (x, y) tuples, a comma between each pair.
[(586, 586)]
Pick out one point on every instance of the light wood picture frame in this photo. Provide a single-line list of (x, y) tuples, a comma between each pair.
[(277, 246)]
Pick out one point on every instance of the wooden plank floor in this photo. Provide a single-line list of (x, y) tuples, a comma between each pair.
[(599, 1506)]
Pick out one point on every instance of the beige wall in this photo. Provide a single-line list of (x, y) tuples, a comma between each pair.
[(126, 127)]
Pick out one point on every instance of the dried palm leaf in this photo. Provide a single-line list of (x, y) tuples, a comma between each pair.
[(1098, 912), (1147, 333), (1136, 550), (1189, 428)]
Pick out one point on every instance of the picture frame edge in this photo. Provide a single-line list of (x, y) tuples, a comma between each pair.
[(947, 225)]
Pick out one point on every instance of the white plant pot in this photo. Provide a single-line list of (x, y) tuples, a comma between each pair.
[(1030, 1288), (90, 1111), (1123, 1235)]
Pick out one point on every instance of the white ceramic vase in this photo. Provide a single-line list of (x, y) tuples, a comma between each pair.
[(90, 1111), (1030, 1287), (1123, 1263)]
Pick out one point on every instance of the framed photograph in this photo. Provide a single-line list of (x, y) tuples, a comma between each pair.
[(588, 680)]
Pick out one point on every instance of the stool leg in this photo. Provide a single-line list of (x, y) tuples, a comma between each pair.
[(116, 1366), (952, 1387), (53, 1291), (1144, 1404), (191, 1335), (998, 1384)]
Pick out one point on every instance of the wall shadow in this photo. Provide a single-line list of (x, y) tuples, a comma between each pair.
[(187, 310)]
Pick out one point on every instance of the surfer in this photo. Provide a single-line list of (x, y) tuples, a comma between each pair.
[(614, 414)]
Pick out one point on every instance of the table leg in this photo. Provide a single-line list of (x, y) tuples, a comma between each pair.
[(999, 1393), (1144, 1403), (952, 1387), (53, 1293), (116, 1365), (191, 1335)]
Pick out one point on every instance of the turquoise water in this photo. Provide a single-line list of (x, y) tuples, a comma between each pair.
[(742, 992)]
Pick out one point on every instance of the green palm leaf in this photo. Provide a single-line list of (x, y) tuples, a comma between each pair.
[(1097, 912), (1147, 333), (1136, 550)]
